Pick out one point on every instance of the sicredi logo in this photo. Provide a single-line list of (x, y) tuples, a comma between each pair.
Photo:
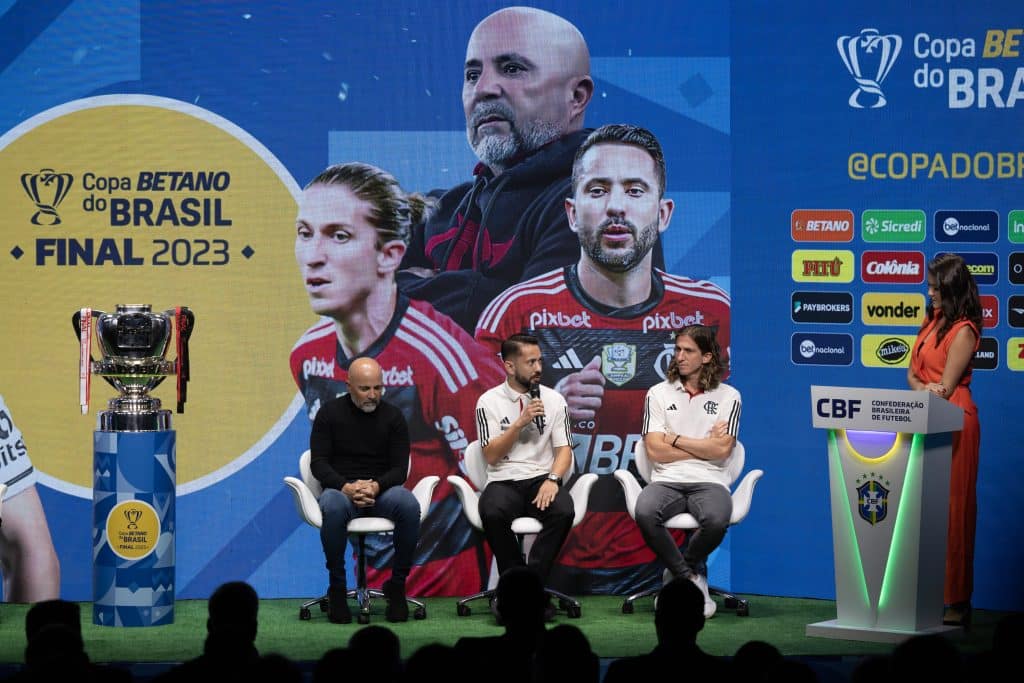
[(984, 266), (886, 350), (821, 307), (892, 225), (1015, 353), (1016, 266), (987, 355), (821, 349), (966, 226), (1015, 311), (901, 309), (821, 225), (812, 265), (1015, 226), (897, 267), (989, 310)]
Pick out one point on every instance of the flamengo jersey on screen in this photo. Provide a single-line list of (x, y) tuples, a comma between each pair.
[(812, 348)]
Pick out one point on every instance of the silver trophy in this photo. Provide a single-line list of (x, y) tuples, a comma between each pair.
[(133, 343)]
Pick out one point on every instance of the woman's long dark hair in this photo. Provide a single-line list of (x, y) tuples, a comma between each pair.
[(958, 292)]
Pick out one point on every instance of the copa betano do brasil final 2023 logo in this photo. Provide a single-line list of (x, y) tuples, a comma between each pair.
[(135, 199)]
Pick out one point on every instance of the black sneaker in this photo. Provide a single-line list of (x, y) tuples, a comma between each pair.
[(337, 606), (397, 608)]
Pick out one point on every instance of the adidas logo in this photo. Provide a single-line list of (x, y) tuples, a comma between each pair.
[(568, 361), (505, 421), (672, 407)]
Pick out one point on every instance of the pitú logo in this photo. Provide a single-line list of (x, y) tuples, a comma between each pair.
[(869, 58)]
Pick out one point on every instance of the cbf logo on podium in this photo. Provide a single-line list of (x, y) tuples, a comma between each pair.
[(889, 455)]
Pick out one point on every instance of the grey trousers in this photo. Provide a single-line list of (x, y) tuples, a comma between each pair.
[(711, 506)]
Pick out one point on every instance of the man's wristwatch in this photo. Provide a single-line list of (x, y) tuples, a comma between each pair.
[(555, 478)]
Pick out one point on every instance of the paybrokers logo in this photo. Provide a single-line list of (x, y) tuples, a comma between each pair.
[(901, 309)]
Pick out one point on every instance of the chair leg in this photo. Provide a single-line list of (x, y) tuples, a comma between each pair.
[(304, 612), (741, 606), (627, 604), (462, 606), (363, 595), (571, 606)]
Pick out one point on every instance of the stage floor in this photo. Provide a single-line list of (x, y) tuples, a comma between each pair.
[(780, 621)]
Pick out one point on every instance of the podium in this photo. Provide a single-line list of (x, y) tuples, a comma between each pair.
[(889, 456)]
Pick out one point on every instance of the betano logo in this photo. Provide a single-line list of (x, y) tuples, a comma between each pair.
[(821, 225), (886, 350), (899, 309), (898, 267), (893, 225), (813, 265)]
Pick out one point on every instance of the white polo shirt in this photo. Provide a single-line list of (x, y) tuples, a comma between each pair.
[(669, 408), (15, 467), (533, 453)]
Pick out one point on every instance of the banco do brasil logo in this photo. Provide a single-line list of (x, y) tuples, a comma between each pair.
[(47, 189)]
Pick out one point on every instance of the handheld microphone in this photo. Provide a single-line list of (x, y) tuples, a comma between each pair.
[(539, 419)]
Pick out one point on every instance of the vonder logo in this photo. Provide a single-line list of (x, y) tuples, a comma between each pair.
[(901, 309)]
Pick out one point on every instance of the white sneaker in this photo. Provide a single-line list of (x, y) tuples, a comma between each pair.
[(666, 577), (701, 582)]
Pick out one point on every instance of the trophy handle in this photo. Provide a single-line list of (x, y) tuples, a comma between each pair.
[(184, 320), (76, 322)]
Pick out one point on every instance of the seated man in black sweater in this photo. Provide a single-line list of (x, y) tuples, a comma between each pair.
[(359, 450)]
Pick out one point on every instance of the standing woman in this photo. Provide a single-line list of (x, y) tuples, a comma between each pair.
[(941, 363)]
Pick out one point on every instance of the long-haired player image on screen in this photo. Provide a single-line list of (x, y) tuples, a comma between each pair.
[(350, 235), (604, 322)]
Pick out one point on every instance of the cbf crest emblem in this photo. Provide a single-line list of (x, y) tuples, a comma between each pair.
[(869, 57), (872, 499), (618, 362), (47, 189)]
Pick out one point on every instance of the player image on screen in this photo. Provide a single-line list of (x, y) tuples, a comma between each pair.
[(351, 232), (605, 323), (28, 560)]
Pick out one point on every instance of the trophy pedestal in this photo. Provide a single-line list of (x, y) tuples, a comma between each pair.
[(133, 527)]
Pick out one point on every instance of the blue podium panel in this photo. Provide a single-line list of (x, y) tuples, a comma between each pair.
[(133, 528)]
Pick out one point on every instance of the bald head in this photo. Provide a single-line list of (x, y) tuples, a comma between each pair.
[(527, 82), (365, 384)]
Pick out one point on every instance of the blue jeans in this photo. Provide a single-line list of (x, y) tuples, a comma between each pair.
[(397, 504)]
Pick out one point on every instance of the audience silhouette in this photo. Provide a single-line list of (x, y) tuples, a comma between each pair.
[(229, 650), (678, 618)]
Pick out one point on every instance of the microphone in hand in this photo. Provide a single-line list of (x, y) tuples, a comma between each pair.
[(538, 419)]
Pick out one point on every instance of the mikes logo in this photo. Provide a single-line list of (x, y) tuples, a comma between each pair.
[(545, 318), (903, 267), (318, 367), (397, 377), (672, 321), (892, 350)]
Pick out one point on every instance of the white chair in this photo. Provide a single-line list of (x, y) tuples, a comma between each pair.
[(741, 499), (476, 470), (306, 492)]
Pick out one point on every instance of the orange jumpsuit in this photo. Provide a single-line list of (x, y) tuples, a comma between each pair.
[(927, 362)]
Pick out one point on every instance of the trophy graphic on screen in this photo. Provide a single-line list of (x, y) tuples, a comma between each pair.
[(133, 343)]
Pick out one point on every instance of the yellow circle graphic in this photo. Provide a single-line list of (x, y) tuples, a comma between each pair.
[(133, 529), (128, 199)]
